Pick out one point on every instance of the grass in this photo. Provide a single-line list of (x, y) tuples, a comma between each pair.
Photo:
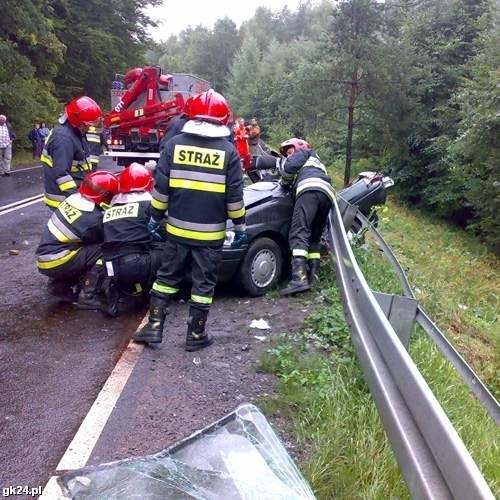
[(323, 395), (456, 281), (24, 158)]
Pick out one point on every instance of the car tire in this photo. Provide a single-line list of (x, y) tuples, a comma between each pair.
[(261, 267)]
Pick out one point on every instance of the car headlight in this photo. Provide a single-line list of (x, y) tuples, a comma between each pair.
[(228, 240)]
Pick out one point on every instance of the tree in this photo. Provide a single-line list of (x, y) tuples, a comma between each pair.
[(29, 55), (102, 38), (474, 155)]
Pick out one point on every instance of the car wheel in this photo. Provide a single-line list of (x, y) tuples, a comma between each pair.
[(261, 267)]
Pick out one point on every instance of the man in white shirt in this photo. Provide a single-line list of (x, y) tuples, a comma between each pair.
[(7, 136)]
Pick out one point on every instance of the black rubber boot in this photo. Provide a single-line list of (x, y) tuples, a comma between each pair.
[(313, 266), (89, 298), (299, 282), (196, 337), (112, 296), (152, 332), (63, 291)]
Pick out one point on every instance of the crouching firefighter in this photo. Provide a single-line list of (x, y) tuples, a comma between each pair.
[(65, 156), (70, 252), (314, 196), (199, 180), (131, 255)]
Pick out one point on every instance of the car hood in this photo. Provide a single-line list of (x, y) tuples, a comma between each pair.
[(260, 192)]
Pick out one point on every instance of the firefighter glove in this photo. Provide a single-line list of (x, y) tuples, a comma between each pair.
[(154, 229), (240, 239)]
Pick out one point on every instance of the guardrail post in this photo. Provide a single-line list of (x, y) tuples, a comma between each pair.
[(401, 313)]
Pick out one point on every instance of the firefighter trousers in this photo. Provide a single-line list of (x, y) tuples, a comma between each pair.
[(76, 267), (135, 273), (310, 213), (178, 260)]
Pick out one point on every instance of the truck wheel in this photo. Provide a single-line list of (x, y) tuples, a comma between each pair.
[(261, 267)]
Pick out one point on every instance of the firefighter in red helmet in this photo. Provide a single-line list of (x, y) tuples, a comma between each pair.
[(199, 180), (314, 194), (65, 157), (70, 252), (131, 255)]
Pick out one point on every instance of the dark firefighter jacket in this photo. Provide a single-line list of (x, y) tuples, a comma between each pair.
[(76, 222), (305, 170), (126, 225), (65, 162), (199, 181)]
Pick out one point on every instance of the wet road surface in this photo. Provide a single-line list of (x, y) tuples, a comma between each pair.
[(56, 358), (53, 357)]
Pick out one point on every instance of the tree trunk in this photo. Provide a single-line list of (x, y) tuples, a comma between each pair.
[(350, 126)]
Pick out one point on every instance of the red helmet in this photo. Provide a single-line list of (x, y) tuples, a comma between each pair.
[(208, 106), (298, 144), (82, 110), (135, 177), (99, 186)]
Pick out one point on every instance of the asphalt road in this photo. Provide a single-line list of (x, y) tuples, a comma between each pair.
[(54, 358), (55, 361)]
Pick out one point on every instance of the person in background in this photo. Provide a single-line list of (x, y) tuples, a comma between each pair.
[(7, 138), (36, 141), (199, 180), (314, 195), (254, 132), (131, 255), (70, 249), (97, 144), (240, 134), (44, 132), (65, 155)]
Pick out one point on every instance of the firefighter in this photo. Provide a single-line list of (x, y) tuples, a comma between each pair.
[(65, 154), (70, 247), (131, 255), (96, 145), (199, 181), (314, 196)]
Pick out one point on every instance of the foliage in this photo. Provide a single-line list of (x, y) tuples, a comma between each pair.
[(408, 86), (53, 50), (201, 51), (325, 401), (475, 153)]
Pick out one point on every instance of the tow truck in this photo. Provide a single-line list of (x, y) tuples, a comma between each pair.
[(143, 101)]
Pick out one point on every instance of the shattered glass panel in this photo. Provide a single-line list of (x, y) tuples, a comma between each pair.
[(237, 457)]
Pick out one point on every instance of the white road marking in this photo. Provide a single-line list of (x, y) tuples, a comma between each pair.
[(52, 490), (85, 439), (27, 168), (16, 205)]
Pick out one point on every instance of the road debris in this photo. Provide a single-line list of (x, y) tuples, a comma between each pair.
[(260, 324)]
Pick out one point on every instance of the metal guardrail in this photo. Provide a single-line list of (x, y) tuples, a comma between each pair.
[(433, 459), (468, 375)]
